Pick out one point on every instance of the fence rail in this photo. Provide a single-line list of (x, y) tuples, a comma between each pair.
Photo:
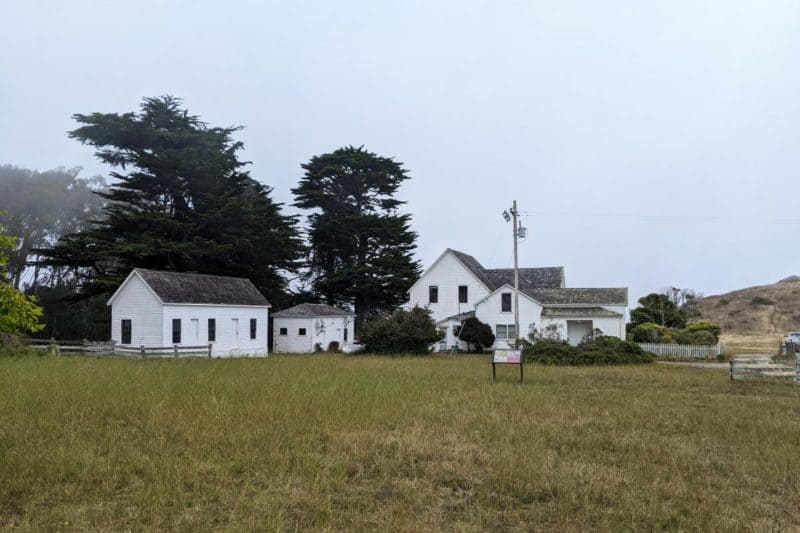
[(110, 348), (682, 351), (750, 367)]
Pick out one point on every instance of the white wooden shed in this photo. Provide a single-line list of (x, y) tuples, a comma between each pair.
[(302, 327), (154, 308)]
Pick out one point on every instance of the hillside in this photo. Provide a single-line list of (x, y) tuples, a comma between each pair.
[(764, 309), (754, 319)]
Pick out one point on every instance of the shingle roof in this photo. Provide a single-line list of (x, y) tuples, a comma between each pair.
[(613, 296), (311, 310), (568, 312), (529, 278), (189, 288)]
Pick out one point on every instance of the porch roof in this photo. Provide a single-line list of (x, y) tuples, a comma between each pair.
[(579, 312)]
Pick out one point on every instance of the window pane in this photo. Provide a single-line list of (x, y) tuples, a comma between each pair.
[(282, 331), (462, 294), (505, 305), (126, 332), (253, 327), (512, 332), (176, 331), (433, 294), (501, 331), (212, 329), (345, 334), (301, 331)]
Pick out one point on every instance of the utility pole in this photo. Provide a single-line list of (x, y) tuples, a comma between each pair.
[(516, 275)]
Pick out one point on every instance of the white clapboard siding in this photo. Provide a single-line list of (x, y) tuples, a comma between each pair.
[(682, 351)]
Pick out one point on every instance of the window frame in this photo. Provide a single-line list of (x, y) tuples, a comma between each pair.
[(253, 329), (433, 294), (508, 328), (503, 296), (301, 332), (176, 321), (283, 332), (465, 299), (129, 330), (212, 330)]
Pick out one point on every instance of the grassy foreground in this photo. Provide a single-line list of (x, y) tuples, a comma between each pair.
[(330, 442)]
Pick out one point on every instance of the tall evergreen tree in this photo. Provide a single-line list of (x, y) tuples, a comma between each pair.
[(180, 199), (361, 248)]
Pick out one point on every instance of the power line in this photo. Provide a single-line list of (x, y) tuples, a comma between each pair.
[(663, 217)]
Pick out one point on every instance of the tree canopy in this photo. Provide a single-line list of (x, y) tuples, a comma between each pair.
[(658, 309), (18, 313), (179, 199), (361, 248)]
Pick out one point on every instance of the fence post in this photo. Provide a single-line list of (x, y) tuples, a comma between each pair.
[(209, 350), (142, 348), (175, 351)]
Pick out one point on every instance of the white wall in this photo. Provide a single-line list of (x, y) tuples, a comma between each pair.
[(137, 303), (489, 312), (333, 330), (448, 273), (225, 344)]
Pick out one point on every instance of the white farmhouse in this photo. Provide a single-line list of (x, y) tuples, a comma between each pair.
[(457, 286), (157, 308), (302, 327)]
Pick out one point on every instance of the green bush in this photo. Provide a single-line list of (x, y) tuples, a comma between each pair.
[(476, 334), (598, 351), (761, 300), (647, 332), (401, 332)]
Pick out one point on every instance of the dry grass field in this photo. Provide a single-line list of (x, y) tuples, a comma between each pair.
[(736, 343), (411, 443)]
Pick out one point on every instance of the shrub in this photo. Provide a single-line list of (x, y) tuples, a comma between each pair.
[(761, 300), (401, 332), (647, 332), (12, 345), (707, 327), (476, 334), (333, 346), (723, 302), (597, 351)]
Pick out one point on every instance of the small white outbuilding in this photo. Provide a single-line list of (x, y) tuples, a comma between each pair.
[(154, 308), (301, 328)]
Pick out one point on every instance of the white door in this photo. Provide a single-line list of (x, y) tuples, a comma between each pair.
[(194, 331), (235, 333)]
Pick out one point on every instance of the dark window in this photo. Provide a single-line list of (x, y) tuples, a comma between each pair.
[(283, 331), (126, 332), (462, 294), (345, 334), (505, 302), (212, 329), (301, 331), (253, 327), (433, 294), (176, 331)]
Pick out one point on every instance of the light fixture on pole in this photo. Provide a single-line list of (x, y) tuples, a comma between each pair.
[(519, 232)]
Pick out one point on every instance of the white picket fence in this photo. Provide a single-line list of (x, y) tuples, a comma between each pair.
[(683, 351)]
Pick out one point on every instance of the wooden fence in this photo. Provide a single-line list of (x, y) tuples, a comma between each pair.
[(682, 351), (751, 367), (111, 349)]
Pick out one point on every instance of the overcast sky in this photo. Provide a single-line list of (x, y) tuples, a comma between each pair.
[(649, 144)]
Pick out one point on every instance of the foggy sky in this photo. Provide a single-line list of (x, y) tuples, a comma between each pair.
[(649, 145)]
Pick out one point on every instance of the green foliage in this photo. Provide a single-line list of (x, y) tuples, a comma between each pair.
[(181, 200), (762, 300), (659, 309), (705, 326), (333, 346), (647, 332), (361, 249), (401, 332), (477, 334), (601, 350), (723, 302), (19, 313)]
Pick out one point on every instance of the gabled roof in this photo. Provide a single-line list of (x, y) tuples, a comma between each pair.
[(474, 266), (571, 296), (579, 312), (529, 278), (311, 311), (458, 318), (189, 288)]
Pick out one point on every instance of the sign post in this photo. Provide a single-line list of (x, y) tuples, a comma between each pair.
[(507, 357)]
